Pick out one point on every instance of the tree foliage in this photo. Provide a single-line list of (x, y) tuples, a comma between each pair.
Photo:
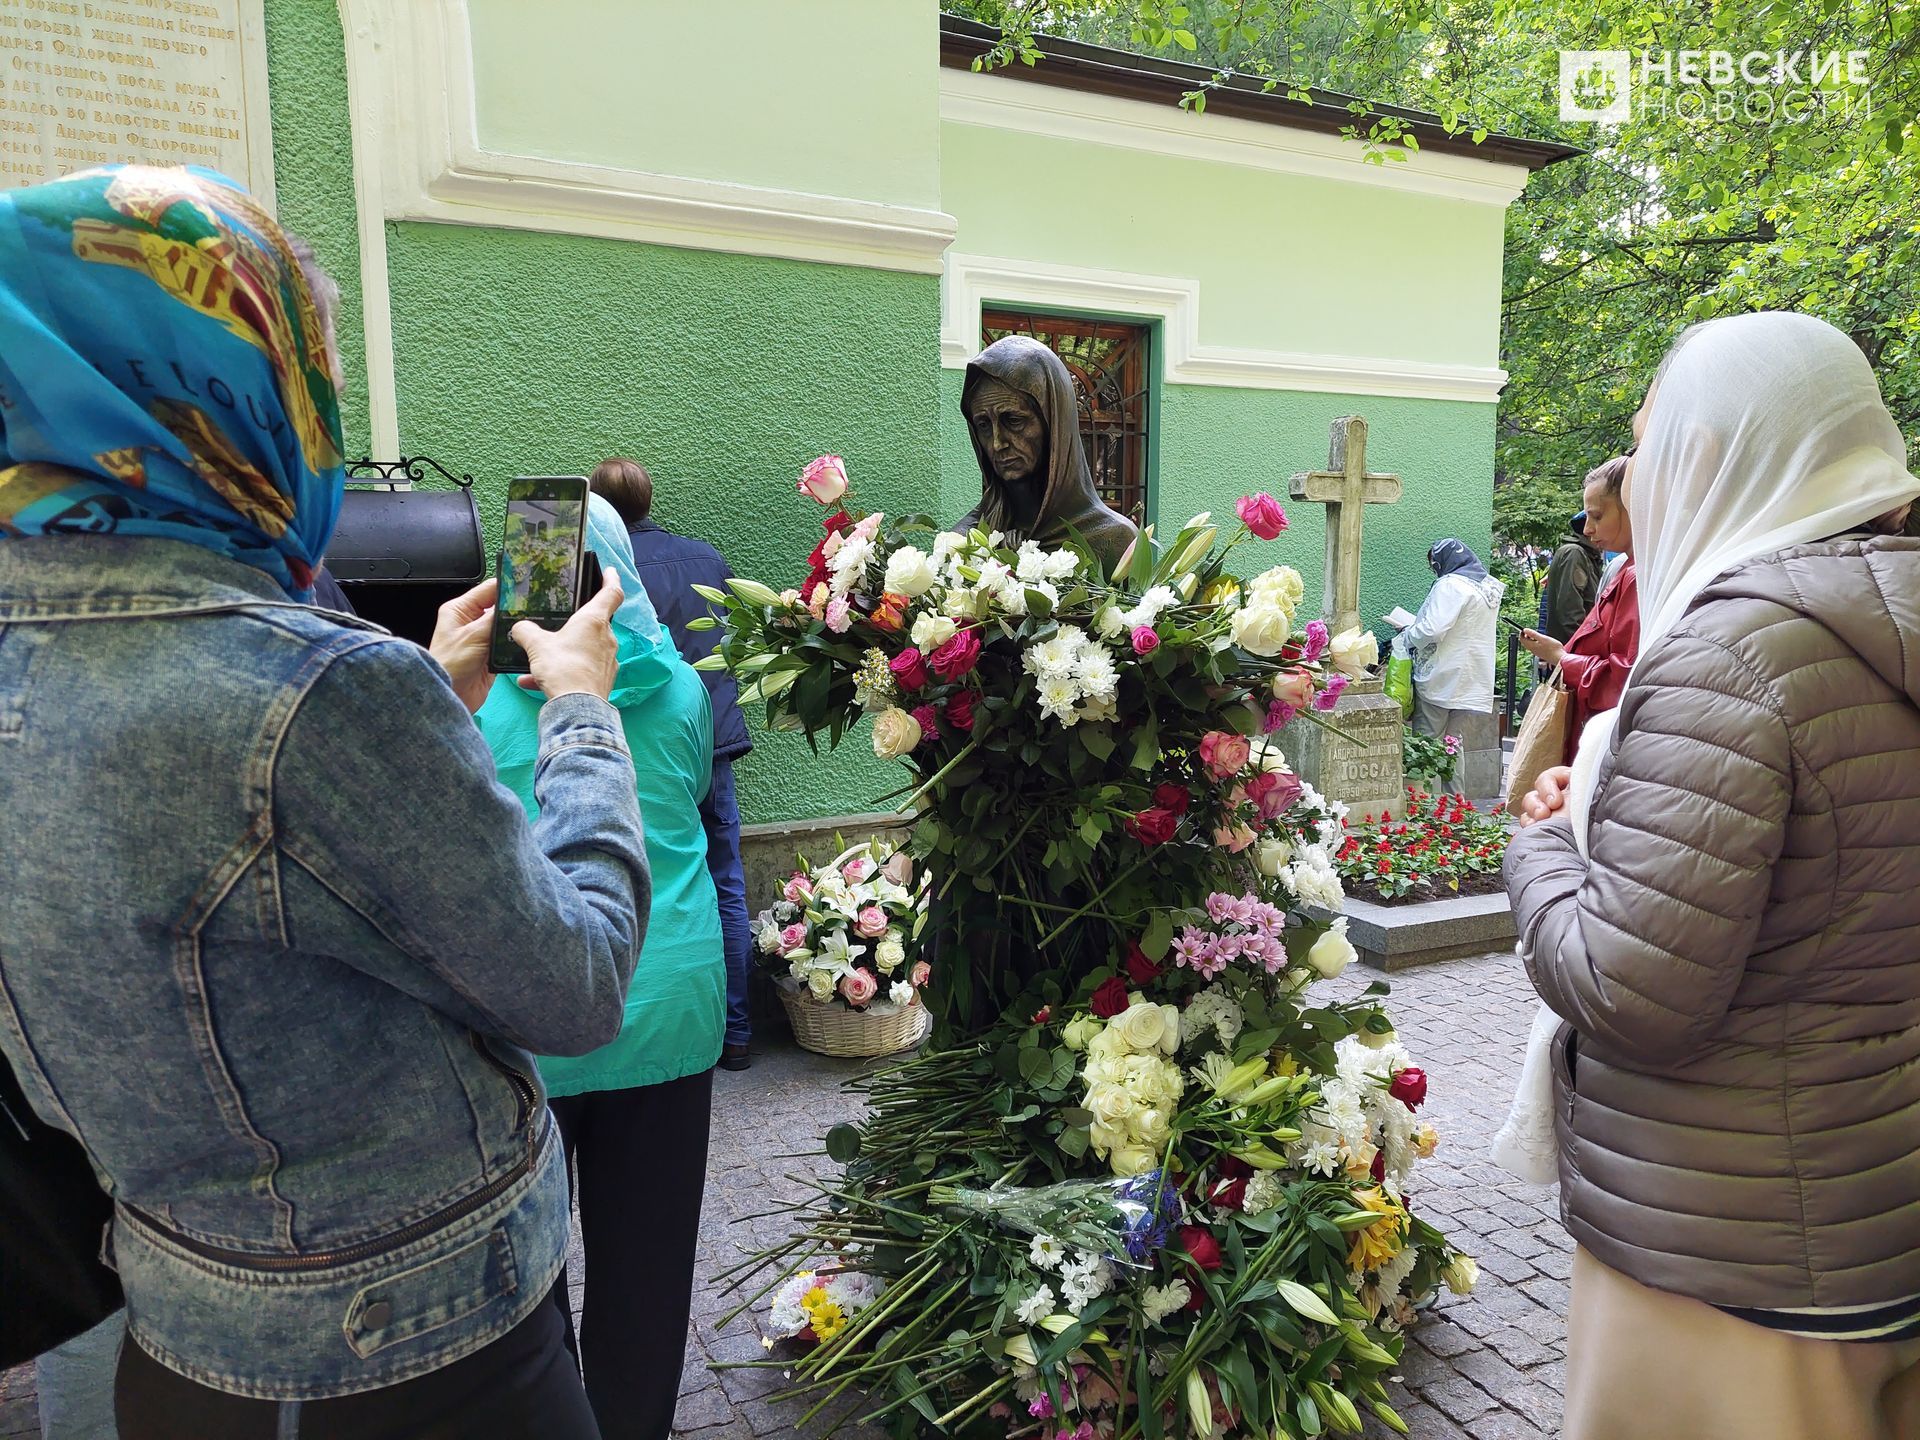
[(1809, 201)]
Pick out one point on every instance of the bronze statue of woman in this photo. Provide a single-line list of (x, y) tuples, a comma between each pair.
[(1034, 482)]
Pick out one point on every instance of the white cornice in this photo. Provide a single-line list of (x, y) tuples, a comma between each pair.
[(435, 168), (1002, 103), (973, 281)]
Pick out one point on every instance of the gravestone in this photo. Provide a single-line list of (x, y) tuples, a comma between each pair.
[(148, 82), (1352, 753)]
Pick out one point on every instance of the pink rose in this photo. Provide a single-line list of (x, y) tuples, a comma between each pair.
[(1233, 838), (899, 867), (798, 890), (869, 527), (793, 937), (1146, 640), (1293, 689), (857, 869), (1224, 753), (857, 987), (909, 668), (1262, 515), (870, 923), (957, 657), (920, 974), (824, 479), (1273, 792)]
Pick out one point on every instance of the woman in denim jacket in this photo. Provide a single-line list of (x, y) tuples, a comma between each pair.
[(274, 944)]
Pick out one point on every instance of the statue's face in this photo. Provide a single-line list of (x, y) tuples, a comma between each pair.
[(1009, 430)]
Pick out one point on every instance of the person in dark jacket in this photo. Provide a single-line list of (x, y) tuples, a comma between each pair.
[(670, 566), (1573, 583)]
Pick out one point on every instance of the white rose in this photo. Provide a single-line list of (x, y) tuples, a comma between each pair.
[(889, 955), (1130, 1160), (1150, 1127), (1461, 1274), (1142, 1027), (962, 604), (1262, 629), (1111, 1104), (930, 632), (1280, 586), (1080, 1030), (895, 732), (820, 983), (910, 571), (1354, 652), (1377, 1042), (1332, 952), (1271, 857)]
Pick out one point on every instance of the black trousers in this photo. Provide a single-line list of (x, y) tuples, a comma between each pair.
[(638, 1159), (521, 1387)]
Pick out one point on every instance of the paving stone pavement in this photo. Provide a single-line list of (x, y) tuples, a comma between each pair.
[(1491, 1366)]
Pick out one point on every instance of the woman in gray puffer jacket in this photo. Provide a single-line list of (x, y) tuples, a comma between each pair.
[(1723, 903)]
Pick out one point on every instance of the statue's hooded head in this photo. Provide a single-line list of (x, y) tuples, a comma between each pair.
[(1024, 419)]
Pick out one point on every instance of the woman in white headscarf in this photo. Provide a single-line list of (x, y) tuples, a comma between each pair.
[(1720, 900)]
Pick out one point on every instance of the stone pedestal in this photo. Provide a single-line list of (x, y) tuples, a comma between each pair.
[(1481, 762), (1355, 756)]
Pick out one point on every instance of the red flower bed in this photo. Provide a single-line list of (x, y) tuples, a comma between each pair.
[(1445, 847)]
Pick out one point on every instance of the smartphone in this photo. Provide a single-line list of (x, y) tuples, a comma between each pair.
[(1513, 625), (542, 562)]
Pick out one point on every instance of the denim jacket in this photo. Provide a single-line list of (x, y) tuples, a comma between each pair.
[(275, 945)]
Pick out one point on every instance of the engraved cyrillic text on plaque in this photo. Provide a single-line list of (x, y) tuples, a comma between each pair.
[(154, 82)]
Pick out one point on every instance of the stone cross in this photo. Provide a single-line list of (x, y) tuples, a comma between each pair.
[(1346, 488)]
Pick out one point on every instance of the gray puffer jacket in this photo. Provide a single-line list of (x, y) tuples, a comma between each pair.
[(1739, 1088)]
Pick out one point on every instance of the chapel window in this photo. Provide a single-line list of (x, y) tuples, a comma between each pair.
[(1108, 360)]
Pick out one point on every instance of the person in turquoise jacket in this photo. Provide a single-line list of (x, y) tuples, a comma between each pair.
[(633, 1114)]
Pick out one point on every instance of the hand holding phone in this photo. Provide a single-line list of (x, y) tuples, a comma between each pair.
[(542, 562), (582, 656)]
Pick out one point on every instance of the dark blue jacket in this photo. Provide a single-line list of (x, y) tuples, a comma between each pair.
[(670, 566)]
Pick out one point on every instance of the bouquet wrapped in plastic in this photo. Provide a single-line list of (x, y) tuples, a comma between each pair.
[(1122, 1220)]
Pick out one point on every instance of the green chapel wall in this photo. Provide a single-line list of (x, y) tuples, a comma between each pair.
[(1285, 262), (1217, 443), (522, 352), (313, 171), (826, 97)]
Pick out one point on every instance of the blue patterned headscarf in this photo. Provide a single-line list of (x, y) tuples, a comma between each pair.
[(164, 371)]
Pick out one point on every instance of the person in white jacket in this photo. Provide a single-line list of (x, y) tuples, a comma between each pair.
[(1451, 642)]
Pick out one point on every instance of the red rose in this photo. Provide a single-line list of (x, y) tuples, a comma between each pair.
[(1409, 1087), (960, 710), (1229, 1194), (1043, 1015), (928, 719), (1140, 970), (957, 657), (1172, 797), (1110, 998), (1379, 1167), (1200, 1246), (909, 668), (1153, 826)]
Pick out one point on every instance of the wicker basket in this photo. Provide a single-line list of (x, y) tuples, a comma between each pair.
[(828, 1028)]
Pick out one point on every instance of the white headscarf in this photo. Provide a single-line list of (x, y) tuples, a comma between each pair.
[(1767, 431)]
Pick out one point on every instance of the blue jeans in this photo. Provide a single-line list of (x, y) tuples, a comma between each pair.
[(721, 812)]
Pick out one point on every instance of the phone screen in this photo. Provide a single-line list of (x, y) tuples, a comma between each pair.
[(540, 561)]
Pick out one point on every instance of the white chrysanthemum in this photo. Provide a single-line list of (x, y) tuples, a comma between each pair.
[(1047, 1252), (1147, 609), (1054, 658), (849, 563), (1094, 669), (1394, 1273), (1213, 1009), (1057, 698), (1159, 1301), (1109, 622), (1321, 1158), (1036, 1307), (1313, 880)]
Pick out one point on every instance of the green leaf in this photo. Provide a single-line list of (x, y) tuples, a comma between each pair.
[(1157, 939), (843, 1144)]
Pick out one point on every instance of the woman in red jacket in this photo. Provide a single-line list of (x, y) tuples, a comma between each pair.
[(1596, 658)]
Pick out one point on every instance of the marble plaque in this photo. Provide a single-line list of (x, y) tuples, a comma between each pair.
[(153, 82), (1355, 757)]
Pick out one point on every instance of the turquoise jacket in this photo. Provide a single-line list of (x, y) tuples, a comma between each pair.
[(676, 1006)]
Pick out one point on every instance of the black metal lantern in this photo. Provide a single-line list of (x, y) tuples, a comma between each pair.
[(401, 553)]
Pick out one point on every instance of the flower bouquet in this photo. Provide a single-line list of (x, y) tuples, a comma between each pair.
[(841, 940), (1148, 1183)]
